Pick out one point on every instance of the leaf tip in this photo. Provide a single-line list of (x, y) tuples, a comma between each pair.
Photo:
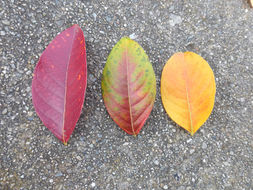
[(64, 141), (75, 25), (126, 39)]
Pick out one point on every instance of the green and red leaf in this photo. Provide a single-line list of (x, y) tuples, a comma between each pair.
[(128, 85)]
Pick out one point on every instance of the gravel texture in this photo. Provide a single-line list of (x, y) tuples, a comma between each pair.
[(99, 154)]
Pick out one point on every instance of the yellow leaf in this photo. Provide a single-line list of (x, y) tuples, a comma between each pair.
[(188, 90), (251, 3)]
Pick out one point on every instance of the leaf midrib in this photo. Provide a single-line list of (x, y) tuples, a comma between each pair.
[(187, 95), (128, 91), (66, 88)]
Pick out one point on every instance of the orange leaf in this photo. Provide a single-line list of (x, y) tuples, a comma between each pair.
[(188, 90)]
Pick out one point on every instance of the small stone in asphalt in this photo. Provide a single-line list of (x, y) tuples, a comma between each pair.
[(156, 162), (4, 111), (6, 22), (175, 19), (2, 33), (204, 145), (133, 36), (58, 174), (93, 184)]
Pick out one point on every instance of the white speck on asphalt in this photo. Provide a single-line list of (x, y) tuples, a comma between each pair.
[(175, 19), (133, 36), (2, 33), (93, 184), (4, 111), (156, 162), (204, 145)]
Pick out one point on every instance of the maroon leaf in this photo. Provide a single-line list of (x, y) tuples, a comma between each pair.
[(59, 82)]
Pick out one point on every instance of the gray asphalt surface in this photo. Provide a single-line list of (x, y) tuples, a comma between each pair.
[(99, 154)]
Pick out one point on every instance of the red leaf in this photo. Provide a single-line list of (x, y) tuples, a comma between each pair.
[(59, 82)]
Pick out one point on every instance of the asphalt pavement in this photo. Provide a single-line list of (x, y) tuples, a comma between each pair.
[(100, 155)]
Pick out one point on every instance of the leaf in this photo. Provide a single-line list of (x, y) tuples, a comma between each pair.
[(128, 85), (251, 3), (59, 82), (188, 90)]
